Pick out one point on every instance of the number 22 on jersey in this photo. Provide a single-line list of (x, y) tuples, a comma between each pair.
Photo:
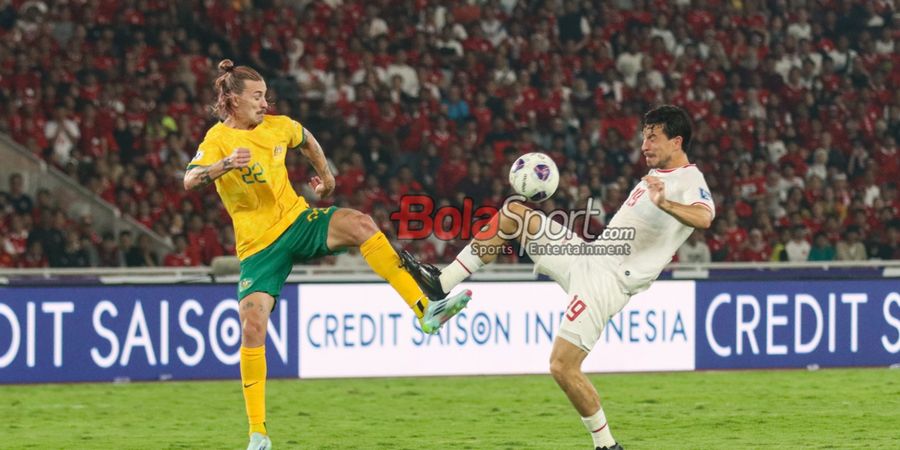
[(253, 174)]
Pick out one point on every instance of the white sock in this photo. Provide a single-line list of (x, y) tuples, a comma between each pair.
[(599, 429), (465, 264)]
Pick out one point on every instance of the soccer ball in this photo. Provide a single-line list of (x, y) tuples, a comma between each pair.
[(534, 176)]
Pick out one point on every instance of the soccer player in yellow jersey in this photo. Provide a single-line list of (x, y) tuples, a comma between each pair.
[(274, 227)]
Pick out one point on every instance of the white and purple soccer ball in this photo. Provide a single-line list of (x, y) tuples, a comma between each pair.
[(534, 176)]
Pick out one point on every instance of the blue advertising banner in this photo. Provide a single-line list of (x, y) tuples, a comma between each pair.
[(797, 323), (105, 333)]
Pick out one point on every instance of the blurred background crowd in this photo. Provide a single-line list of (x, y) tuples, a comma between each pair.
[(796, 108)]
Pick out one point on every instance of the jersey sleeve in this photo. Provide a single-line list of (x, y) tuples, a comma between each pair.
[(296, 133), (208, 153), (696, 192)]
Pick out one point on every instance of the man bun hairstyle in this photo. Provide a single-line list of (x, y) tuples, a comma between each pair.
[(673, 120), (226, 65), (231, 83)]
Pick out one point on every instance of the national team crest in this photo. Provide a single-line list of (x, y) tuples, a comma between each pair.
[(279, 149)]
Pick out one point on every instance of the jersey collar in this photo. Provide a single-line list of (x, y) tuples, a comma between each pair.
[(672, 170)]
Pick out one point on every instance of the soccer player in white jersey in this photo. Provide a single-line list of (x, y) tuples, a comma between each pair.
[(662, 210)]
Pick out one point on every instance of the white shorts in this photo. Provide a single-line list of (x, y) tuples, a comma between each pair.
[(594, 291)]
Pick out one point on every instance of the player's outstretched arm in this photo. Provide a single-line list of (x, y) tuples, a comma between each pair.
[(201, 176), (696, 216), (324, 183)]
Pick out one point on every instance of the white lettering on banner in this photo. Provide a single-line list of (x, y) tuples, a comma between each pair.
[(747, 323), (279, 339), (892, 298), (105, 306), (230, 331), (772, 321), (29, 333), (747, 328), (801, 300), (723, 351), (132, 339), (57, 309), (224, 333), (190, 360), (854, 300), (15, 336), (363, 330), (164, 332), (832, 319)]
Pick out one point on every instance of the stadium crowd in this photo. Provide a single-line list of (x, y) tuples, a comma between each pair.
[(796, 111)]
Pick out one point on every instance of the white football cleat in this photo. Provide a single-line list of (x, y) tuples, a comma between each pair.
[(259, 441)]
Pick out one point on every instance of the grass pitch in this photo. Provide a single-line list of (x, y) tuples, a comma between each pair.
[(857, 408)]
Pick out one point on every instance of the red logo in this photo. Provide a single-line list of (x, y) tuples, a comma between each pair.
[(575, 308), (417, 219), (634, 197)]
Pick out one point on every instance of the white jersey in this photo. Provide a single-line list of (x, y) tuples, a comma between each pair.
[(657, 235)]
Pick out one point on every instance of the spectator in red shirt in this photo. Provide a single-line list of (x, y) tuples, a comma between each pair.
[(756, 248), (34, 257), (180, 257), (717, 242), (203, 240), (781, 89)]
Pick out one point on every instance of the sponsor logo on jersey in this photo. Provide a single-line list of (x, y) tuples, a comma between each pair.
[(279, 149), (245, 283), (705, 195), (198, 155)]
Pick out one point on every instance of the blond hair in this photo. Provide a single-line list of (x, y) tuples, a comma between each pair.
[(229, 83)]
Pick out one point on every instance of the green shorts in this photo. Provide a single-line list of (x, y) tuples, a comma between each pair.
[(304, 240)]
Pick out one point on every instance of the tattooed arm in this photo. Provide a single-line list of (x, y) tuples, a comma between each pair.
[(324, 183), (201, 176)]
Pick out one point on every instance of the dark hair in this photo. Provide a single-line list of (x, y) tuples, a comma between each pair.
[(674, 121), (231, 81)]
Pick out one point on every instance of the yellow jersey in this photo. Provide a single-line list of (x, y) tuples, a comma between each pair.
[(259, 198)]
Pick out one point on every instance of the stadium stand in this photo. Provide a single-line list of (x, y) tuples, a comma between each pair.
[(796, 112)]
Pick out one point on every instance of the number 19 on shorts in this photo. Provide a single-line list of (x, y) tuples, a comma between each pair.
[(575, 308)]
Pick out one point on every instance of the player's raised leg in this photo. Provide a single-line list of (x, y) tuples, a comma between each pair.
[(508, 223), (565, 366), (254, 314), (349, 227)]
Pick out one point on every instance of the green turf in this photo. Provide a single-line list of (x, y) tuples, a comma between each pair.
[(778, 409)]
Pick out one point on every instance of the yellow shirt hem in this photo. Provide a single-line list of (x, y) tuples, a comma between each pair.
[(272, 234)]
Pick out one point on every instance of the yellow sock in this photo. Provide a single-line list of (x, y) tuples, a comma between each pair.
[(253, 377), (382, 258)]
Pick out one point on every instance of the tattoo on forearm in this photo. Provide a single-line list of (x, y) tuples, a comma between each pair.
[(205, 179), (226, 163)]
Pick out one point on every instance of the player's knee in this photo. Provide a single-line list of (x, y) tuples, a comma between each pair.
[(559, 367), (364, 227), (254, 327)]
